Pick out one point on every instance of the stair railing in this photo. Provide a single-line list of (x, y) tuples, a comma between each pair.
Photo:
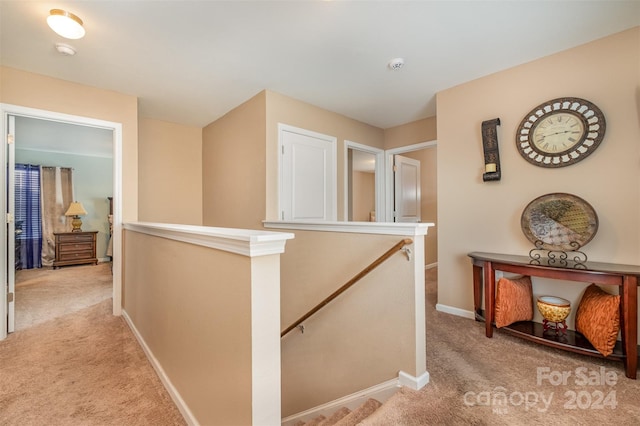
[(397, 247)]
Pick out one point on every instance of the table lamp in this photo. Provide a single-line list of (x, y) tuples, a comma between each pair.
[(76, 210)]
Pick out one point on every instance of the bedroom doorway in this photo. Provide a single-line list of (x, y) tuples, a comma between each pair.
[(10, 113)]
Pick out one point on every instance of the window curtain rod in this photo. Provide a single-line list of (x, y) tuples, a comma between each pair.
[(50, 167), (53, 167)]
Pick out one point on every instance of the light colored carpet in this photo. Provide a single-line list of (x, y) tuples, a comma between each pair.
[(86, 368), (475, 380), (44, 294), (83, 368)]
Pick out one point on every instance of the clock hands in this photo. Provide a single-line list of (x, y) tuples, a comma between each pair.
[(558, 133)]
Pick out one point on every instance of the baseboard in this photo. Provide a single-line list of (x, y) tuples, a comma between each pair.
[(431, 266), (455, 311), (380, 392), (173, 392), (415, 383)]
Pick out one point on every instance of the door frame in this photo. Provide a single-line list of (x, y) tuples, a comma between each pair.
[(6, 110), (389, 186)]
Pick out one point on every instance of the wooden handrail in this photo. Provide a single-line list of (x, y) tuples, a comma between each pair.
[(349, 283)]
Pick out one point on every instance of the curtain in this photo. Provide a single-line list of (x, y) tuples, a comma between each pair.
[(56, 185), (27, 216)]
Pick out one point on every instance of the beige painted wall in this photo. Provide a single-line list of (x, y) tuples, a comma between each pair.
[(429, 199), (285, 110), (411, 133), (362, 338), (478, 216), (233, 167), (41, 92), (170, 172), (233, 192), (192, 306), (364, 195)]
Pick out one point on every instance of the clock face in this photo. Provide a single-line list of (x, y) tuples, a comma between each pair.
[(560, 132)]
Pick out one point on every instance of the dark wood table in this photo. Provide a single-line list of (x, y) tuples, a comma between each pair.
[(623, 276)]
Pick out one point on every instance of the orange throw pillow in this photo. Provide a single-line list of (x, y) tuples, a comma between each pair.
[(598, 318), (514, 301)]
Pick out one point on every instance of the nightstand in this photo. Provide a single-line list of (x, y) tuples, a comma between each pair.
[(75, 248)]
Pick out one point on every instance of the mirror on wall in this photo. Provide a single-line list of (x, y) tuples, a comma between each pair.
[(362, 197)]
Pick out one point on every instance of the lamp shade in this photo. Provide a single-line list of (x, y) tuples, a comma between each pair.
[(75, 209), (65, 24)]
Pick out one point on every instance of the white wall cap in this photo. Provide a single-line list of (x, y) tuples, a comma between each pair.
[(246, 242), (384, 228)]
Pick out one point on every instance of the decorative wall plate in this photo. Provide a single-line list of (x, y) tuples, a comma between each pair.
[(559, 221)]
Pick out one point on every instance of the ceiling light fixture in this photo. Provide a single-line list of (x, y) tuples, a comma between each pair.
[(65, 24), (396, 64)]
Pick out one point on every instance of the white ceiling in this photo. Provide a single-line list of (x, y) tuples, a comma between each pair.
[(190, 62)]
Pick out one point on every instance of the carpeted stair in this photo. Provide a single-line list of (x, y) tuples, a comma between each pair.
[(344, 416)]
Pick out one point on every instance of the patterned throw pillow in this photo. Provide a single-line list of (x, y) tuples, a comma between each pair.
[(514, 301), (598, 318)]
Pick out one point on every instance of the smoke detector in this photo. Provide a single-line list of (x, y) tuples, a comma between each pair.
[(65, 49), (396, 64)]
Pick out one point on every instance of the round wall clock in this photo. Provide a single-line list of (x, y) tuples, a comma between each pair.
[(560, 132)]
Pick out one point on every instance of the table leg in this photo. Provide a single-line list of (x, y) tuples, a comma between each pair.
[(630, 324), (477, 291), (489, 297)]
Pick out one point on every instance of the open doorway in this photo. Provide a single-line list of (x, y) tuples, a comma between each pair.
[(364, 183), (81, 157), (9, 114)]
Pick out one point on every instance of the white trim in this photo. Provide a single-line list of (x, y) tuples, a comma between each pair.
[(116, 225), (240, 241), (266, 374), (173, 392), (379, 178), (431, 266), (380, 392), (415, 383), (116, 128), (388, 164), (455, 311), (385, 228)]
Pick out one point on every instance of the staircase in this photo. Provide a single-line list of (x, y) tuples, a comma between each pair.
[(344, 416)]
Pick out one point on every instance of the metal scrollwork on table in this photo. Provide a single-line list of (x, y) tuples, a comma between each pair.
[(562, 258)]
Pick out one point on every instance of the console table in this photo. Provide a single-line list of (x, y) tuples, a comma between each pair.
[(623, 276)]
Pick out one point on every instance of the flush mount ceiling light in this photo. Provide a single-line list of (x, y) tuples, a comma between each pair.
[(65, 24), (396, 64)]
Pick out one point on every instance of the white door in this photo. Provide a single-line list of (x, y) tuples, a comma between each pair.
[(307, 175), (10, 212), (406, 189)]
